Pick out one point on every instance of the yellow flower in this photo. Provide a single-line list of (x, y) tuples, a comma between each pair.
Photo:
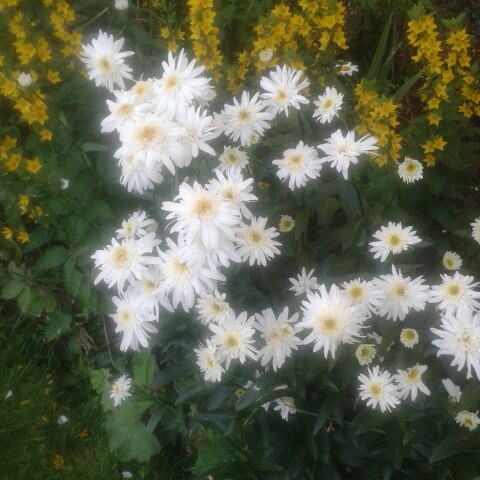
[(433, 103), (7, 232), (434, 119), (53, 76), (33, 166), (164, 32), (13, 162), (43, 50), (45, 135), (23, 203), (23, 237), (58, 462), (429, 160)]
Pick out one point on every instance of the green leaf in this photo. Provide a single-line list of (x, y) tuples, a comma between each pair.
[(11, 289), (254, 397), (454, 443), (368, 419), (394, 447), (95, 147), (351, 202), (143, 365), (23, 300), (379, 51), (402, 91), (53, 257), (58, 323), (99, 379), (128, 437), (173, 371), (209, 457)]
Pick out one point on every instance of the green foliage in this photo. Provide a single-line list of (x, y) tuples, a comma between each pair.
[(230, 429)]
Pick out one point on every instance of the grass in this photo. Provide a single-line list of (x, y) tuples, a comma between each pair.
[(34, 444)]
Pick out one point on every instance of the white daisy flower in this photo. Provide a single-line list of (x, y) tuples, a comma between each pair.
[(121, 390), (342, 151), (451, 260), (212, 308), (455, 292), (304, 283), (409, 337), (208, 362), (392, 239), (328, 105), (346, 69), (149, 290), (476, 229), (399, 295), (143, 91), (232, 188), (365, 353), (246, 119), (153, 139), (133, 319), (122, 111), (105, 61), (278, 335), (255, 242), (135, 226), (378, 389), (125, 261), (460, 338), (180, 84), (410, 170), (286, 224), (362, 293), (234, 338), (232, 157), (331, 319), (137, 176), (184, 274), (298, 165), (197, 131), (454, 392), (283, 89), (409, 382), (468, 419), (200, 214)]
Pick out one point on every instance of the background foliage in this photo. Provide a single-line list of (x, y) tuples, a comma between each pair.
[(416, 98)]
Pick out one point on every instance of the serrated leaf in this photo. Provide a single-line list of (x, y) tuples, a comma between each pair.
[(57, 324), (99, 379), (128, 437)]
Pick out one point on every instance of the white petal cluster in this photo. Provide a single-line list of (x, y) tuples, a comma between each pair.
[(460, 338), (105, 61), (332, 319), (298, 165), (399, 295), (121, 390), (341, 151), (282, 89), (328, 105), (392, 239), (378, 389)]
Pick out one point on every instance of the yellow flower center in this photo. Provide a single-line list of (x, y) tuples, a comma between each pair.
[(119, 256), (203, 207)]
